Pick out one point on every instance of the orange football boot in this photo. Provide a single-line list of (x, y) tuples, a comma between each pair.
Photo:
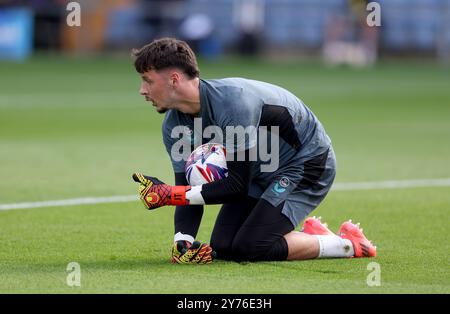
[(361, 246), (313, 225)]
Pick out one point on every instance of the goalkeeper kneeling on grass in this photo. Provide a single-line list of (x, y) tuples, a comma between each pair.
[(261, 209)]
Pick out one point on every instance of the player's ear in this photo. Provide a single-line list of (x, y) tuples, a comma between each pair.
[(174, 78)]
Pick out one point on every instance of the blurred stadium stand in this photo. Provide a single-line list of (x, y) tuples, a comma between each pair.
[(413, 24), (408, 26)]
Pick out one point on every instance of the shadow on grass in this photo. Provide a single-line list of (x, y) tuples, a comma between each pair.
[(112, 263)]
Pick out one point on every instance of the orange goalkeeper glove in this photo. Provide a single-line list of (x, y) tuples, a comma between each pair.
[(155, 193)]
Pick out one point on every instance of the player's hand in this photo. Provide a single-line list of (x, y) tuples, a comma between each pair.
[(155, 193), (197, 253), (178, 249)]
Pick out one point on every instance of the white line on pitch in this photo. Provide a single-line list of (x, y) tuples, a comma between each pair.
[(350, 186), (71, 202)]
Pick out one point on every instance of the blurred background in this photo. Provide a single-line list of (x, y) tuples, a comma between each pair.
[(69, 94), (74, 127), (336, 30)]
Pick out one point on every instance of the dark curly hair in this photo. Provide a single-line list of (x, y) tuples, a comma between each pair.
[(165, 53)]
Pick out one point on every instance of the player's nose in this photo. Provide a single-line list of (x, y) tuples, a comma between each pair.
[(142, 90)]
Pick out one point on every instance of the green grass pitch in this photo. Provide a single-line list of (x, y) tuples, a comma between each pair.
[(73, 128)]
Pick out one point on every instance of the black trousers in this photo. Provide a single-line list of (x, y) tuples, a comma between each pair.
[(251, 230)]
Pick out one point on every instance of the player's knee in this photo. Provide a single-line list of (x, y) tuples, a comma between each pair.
[(246, 249), (251, 250), (222, 247)]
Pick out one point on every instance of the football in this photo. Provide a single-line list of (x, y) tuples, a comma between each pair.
[(207, 163)]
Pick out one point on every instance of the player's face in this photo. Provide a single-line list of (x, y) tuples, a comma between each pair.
[(155, 88)]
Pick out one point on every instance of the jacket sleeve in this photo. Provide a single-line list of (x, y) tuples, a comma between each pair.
[(232, 188)]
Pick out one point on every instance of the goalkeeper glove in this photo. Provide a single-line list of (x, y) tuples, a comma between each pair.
[(155, 193), (197, 253)]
